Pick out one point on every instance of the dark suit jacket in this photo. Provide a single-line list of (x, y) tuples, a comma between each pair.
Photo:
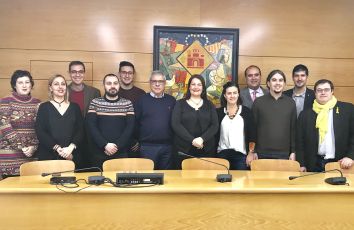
[(89, 94), (246, 97), (309, 97), (307, 136)]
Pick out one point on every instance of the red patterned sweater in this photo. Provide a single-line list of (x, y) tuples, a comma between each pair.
[(17, 119)]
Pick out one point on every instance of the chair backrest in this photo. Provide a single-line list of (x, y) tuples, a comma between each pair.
[(197, 164), (128, 164), (275, 165), (48, 166), (336, 165)]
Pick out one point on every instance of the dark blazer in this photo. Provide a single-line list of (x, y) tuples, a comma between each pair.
[(309, 97), (185, 121), (249, 127), (307, 136), (89, 94), (246, 96)]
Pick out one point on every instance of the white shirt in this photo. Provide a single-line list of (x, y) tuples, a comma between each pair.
[(232, 133), (327, 147)]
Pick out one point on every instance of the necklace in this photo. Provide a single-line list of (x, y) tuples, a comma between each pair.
[(232, 116), (196, 104), (59, 103)]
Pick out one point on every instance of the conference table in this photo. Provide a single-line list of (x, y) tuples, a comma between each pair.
[(187, 200)]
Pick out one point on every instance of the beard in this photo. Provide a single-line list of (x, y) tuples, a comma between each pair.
[(112, 93)]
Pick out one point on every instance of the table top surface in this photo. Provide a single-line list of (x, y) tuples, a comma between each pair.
[(190, 181)]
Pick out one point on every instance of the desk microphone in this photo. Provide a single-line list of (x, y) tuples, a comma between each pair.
[(58, 179), (331, 180), (220, 177)]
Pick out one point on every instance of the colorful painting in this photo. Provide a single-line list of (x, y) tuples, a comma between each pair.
[(183, 51)]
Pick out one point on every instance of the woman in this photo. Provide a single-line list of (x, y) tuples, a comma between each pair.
[(236, 135), (59, 124), (195, 122), (18, 141)]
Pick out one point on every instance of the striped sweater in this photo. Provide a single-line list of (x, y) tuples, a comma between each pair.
[(17, 114)]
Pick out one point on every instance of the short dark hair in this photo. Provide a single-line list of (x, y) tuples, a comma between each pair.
[(323, 81), (227, 85), (20, 73), (200, 77), (299, 68), (252, 66), (108, 75), (76, 63), (126, 63), (273, 72)]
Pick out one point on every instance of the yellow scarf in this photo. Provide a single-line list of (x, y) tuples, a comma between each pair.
[(322, 116)]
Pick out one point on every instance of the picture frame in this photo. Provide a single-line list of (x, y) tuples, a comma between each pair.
[(180, 52)]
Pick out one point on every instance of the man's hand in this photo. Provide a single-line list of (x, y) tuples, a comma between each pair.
[(345, 163)]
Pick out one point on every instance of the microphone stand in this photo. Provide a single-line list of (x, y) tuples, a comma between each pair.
[(219, 177), (331, 180)]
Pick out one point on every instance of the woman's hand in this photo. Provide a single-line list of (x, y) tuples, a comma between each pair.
[(198, 142)]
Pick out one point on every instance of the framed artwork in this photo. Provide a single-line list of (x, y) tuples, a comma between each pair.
[(183, 51)]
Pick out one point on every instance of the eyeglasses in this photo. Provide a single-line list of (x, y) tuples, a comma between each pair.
[(155, 82), (126, 73), (77, 72), (325, 90)]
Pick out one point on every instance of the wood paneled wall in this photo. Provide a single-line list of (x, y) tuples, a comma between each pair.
[(43, 36)]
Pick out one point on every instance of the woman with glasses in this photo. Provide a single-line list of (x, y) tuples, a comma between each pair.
[(18, 141)]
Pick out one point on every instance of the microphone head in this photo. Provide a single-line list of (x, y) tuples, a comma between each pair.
[(45, 174), (292, 177)]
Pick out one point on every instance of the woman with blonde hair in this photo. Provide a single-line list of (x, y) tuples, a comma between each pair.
[(59, 124)]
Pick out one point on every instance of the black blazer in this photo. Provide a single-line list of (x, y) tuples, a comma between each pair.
[(309, 97), (307, 136), (249, 126), (185, 122)]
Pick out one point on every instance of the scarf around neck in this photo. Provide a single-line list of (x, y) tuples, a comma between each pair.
[(322, 115)]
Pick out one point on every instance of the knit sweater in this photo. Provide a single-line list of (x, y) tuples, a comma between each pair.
[(109, 122), (17, 114), (153, 119), (275, 124)]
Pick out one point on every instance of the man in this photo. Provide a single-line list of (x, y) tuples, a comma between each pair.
[(302, 95), (79, 92), (127, 88), (153, 122), (110, 121), (254, 89), (275, 119), (325, 133), (130, 92)]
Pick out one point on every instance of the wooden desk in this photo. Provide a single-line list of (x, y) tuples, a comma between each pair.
[(187, 200)]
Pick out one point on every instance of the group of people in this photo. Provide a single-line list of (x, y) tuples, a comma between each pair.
[(79, 124)]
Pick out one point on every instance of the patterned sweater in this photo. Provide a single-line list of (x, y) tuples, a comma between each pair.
[(17, 119), (109, 122)]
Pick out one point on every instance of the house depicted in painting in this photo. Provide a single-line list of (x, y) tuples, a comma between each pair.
[(195, 59)]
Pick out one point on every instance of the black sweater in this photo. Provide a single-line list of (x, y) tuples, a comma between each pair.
[(188, 123)]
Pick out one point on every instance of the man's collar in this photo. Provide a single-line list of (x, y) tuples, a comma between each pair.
[(155, 96)]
